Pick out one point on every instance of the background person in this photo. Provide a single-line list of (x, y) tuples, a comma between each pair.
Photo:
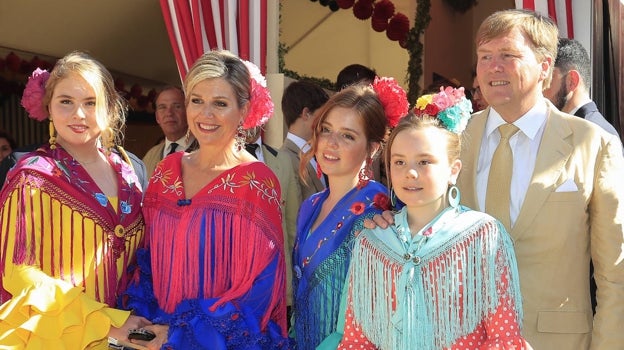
[(280, 163), (300, 102), (7, 144), (171, 117), (571, 79)]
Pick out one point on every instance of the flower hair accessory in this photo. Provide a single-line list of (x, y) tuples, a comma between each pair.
[(260, 103), (449, 105), (393, 99), (32, 99)]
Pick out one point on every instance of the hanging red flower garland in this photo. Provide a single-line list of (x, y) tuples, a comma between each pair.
[(382, 15)]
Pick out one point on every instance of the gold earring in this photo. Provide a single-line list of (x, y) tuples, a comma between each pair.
[(52, 140)]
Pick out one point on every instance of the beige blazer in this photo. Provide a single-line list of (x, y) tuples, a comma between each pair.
[(280, 163), (155, 154), (314, 183), (557, 232)]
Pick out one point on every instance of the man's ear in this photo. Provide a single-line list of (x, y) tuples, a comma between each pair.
[(305, 114), (573, 80)]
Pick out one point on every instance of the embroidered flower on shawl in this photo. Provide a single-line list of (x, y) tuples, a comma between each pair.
[(449, 105), (125, 207), (393, 99), (32, 99), (101, 198), (164, 177), (381, 201), (56, 172), (357, 208), (260, 103)]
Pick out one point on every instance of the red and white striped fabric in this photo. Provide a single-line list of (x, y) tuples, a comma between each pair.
[(559, 10), (198, 26)]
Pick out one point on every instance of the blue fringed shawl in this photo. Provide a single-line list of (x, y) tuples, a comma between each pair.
[(444, 296), (321, 259)]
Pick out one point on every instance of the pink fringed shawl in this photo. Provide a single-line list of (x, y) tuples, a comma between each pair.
[(218, 243), (47, 188)]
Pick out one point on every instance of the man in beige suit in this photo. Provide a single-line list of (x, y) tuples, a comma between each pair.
[(171, 117), (565, 193), (300, 102), (280, 163)]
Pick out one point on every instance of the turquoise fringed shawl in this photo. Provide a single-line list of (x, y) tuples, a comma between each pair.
[(443, 290)]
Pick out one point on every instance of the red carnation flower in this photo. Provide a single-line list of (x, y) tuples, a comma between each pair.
[(357, 208), (345, 4), (393, 99), (381, 201), (383, 9), (363, 9), (398, 27), (431, 110)]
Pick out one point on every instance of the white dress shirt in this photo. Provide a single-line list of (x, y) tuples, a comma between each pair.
[(182, 144), (524, 146)]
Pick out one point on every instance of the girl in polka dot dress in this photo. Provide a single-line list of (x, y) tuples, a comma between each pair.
[(442, 276)]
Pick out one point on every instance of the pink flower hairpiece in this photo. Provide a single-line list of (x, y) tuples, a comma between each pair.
[(260, 103), (32, 98), (393, 99), (449, 105)]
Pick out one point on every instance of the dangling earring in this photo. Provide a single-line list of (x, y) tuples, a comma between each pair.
[(454, 196), (392, 198), (187, 137), (52, 140), (239, 139), (365, 174), (319, 171)]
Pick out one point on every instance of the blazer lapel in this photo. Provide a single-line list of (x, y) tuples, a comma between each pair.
[(470, 157), (554, 152)]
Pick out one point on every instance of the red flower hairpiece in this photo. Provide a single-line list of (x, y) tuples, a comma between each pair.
[(260, 103), (393, 99), (32, 98)]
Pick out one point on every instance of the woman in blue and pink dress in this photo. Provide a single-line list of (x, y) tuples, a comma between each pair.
[(213, 274), (348, 133)]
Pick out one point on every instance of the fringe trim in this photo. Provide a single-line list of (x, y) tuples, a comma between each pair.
[(43, 225), (402, 305), (236, 246)]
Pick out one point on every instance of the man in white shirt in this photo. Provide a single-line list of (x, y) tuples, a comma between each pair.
[(171, 117), (300, 102), (564, 198)]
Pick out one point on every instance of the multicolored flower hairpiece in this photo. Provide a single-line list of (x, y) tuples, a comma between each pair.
[(449, 105), (32, 98), (261, 105), (393, 99)]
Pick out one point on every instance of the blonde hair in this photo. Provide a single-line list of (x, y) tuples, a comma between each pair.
[(220, 64), (541, 32), (110, 107)]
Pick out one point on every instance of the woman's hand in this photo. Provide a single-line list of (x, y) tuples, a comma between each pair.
[(133, 322), (161, 331)]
